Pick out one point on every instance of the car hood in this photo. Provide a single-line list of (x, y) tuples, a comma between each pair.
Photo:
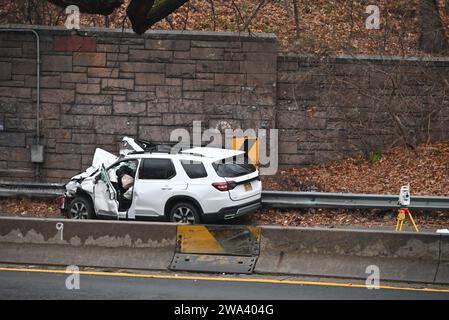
[(101, 157)]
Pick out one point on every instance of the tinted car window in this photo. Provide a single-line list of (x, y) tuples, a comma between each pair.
[(233, 169), (156, 169), (194, 169)]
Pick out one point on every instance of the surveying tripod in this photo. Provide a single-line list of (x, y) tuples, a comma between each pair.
[(404, 212)]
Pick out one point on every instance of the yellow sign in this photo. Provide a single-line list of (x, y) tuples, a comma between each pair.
[(251, 147)]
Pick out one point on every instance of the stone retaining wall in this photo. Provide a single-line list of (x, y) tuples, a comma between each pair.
[(98, 85)]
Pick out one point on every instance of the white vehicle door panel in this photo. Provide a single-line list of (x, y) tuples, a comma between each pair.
[(151, 195), (105, 202)]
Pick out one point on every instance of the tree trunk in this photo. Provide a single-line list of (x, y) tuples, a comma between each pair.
[(104, 7), (137, 12), (296, 13), (432, 38), (159, 11), (142, 13), (254, 14)]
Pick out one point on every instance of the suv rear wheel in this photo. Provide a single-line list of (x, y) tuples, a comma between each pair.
[(184, 212), (81, 208)]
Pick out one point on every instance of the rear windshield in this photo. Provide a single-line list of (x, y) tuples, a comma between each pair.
[(233, 169)]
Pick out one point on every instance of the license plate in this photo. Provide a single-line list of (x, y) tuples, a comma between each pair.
[(248, 186)]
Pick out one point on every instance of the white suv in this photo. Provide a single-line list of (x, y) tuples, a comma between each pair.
[(192, 186)]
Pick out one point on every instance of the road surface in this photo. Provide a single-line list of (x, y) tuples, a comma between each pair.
[(51, 284)]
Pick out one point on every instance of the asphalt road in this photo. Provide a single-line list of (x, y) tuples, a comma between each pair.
[(46, 285)]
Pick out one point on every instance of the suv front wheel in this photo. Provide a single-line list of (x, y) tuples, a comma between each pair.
[(184, 212), (81, 208)]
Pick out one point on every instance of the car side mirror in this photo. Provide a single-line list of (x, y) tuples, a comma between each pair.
[(97, 178)]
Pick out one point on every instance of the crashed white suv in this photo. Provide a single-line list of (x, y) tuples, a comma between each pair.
[(191, 186)]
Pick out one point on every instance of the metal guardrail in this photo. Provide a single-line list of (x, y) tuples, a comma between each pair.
[(283, 199), (273, 199), (30, 189)]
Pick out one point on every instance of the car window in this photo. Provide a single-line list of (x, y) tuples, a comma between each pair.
[(156, 169), (231, 169), (128, 167), (194, 169)]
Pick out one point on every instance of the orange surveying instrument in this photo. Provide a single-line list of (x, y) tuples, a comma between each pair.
[(404, 212)]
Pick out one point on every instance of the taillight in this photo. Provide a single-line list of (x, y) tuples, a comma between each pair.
[(224, 186), (60, 201)]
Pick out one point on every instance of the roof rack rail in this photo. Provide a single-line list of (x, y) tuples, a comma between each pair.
[(145, 146), (149, 146)]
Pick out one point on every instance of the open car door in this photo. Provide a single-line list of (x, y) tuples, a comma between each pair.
[(105, 196)]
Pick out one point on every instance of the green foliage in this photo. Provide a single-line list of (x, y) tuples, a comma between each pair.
[(375, 156)]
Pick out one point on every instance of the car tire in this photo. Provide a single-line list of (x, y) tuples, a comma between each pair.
[(184, 212), (81, 208)]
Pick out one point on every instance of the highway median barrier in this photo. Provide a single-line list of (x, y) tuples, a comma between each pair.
[(399, 256), (413, 257), (93, 243), (443, 268)]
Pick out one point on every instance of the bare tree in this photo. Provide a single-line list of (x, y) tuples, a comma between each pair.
[(142, 13), (432, 38), (296, 13), (254, 14), (287, 7), (104, 7), (238, 15), (214, 16)]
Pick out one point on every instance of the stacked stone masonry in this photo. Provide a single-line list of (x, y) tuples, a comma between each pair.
[(98, 85)]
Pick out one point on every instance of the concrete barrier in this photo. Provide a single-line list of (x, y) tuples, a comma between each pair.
[(405, 256), (443, 268), (347, 253), (94, 243)]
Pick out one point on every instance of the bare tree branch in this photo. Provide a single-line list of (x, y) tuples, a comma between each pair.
[(238, 14), (214, 17), (104, 7), (159, 11), (296, 12), (170, 22), (137, 12), (254, 14), (432, 38), (142, 13)]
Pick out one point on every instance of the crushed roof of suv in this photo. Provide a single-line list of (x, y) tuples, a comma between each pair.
[(146, 147), (213, 153)]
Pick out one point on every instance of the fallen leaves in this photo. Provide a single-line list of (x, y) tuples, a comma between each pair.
[(26, 207), (427, 171), (332, 218)]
